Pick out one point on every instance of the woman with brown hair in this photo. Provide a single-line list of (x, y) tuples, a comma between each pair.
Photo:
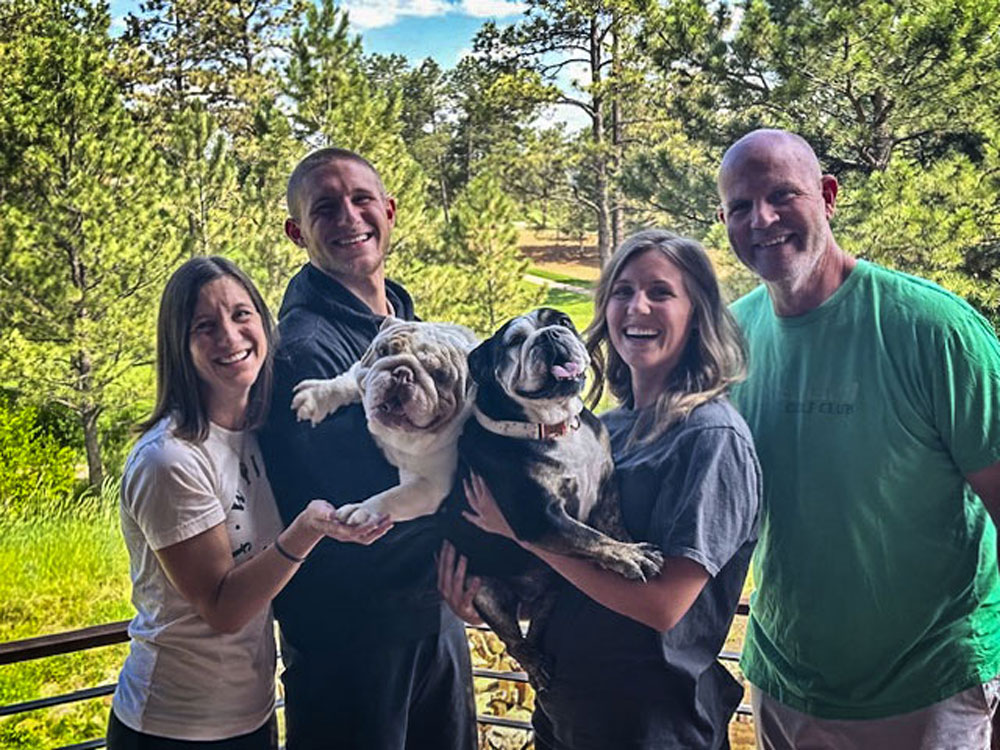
[(206, 548)]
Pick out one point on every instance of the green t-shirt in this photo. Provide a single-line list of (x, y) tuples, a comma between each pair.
[(876, 569)]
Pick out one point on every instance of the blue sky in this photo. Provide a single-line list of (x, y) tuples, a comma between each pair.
[(442, 29)]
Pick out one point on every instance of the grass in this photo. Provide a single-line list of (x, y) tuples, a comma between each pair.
[(579, 308), (61, 573), (555, 274)]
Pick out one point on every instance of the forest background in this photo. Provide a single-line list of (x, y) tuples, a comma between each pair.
[(123, 154)]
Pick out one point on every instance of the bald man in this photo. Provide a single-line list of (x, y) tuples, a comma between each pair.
[(874, 400)]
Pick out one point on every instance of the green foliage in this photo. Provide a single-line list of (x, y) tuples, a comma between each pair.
[(206, 209), (36, 472), (477, 277), (84, 241), (940, 222), (220, 53), (890, 95), (265, 159)]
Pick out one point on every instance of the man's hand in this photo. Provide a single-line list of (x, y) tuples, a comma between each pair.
[(456, 589)]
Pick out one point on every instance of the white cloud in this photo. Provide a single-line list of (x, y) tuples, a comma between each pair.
[(492, 8), (371, 14)]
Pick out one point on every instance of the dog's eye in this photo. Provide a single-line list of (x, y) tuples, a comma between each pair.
[(441, 376), (516, 339)]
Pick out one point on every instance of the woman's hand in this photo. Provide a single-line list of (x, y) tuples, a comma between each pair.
[(486, 514), (457, 589), (320, 519)]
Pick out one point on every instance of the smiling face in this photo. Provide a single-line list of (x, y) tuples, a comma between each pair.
[(776, 205), (649, 318), (228, 347), (343, 220)]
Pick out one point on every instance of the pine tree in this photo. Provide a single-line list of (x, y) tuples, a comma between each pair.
[(85, 241), (479, 281), (221, 53)]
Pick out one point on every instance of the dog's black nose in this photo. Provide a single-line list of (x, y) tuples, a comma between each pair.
[(403, 374)]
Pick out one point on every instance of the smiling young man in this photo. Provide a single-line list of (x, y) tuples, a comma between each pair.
[(874, 400), (373, 660)]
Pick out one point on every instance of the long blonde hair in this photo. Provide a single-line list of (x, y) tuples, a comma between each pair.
[(713, 359)]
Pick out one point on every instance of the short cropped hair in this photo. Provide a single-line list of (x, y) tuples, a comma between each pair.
[(319, 158), (713, 358), (177, 384)]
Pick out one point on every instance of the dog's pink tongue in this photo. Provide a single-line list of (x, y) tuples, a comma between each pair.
[(566, 370)]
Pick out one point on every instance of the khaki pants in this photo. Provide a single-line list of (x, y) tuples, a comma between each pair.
[(961, 722)]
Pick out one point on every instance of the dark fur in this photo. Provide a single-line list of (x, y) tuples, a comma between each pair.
[(546, 490)]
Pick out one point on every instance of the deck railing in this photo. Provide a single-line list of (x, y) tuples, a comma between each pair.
[(111, 633)]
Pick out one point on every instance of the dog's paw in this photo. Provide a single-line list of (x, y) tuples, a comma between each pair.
[(311, 401), (355, 514), (651, 560), (636, 561)]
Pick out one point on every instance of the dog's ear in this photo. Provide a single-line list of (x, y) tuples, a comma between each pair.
[(481, 362), (389, 321), (369, 357)]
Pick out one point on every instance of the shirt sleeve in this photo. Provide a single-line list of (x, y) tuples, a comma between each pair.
[(170, 494), (965, 389), (708, 501)]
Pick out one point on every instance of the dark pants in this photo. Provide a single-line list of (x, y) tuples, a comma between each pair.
[(415, 695), (121, 737)]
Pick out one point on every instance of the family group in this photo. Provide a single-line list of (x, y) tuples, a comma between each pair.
[(839, 426)]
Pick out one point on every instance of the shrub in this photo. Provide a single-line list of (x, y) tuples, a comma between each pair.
[(36, 471)]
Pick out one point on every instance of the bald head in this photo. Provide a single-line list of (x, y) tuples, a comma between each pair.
[(777, 205), (766, 145)]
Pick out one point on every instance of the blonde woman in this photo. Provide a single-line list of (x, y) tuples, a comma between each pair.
[(634, 665)]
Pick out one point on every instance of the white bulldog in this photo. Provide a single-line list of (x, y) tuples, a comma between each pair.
[(413, 381)]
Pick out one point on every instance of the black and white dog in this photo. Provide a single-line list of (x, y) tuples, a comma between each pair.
[(547, 461)]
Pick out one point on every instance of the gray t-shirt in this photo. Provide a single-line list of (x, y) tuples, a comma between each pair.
[(695, 492)]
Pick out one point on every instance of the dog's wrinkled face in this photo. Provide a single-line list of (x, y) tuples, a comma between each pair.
[(534, 358), (415, 376)]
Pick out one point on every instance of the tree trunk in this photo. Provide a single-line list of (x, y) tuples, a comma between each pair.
[(602, 198), (89, 412), (618, 210), (95, 467)]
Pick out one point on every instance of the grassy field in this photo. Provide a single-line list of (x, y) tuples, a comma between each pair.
[(60, 574)]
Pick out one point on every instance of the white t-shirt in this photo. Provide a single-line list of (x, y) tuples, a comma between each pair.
[(182, 679)]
